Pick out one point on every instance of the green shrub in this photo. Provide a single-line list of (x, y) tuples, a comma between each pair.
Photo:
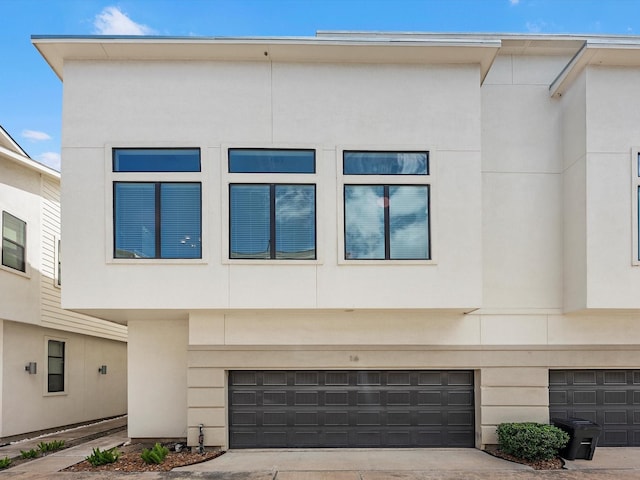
[(29, 453), (531, 441), (156, 454), (5, 462), (51, 446), (103, 457)]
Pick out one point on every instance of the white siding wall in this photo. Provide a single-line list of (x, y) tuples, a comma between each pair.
[(53, 316)]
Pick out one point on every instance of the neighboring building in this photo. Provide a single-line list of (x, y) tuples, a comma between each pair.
[(49, 357), (358, 239)]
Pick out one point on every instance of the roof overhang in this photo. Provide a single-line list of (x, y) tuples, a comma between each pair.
[(10, 150), (437, 51), (606, 52)]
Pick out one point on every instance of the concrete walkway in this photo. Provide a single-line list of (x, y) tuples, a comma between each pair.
[(315, 464)]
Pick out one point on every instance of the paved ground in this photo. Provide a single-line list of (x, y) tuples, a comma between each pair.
[(318, 464)]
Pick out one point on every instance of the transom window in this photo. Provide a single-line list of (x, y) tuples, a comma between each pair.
[(269, 217), (14, 239), (262, 160), (55, 366), (386, 220), (156, 160), (156, 218)]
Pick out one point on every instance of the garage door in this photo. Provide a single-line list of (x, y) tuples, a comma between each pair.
[(611, 398), (351, 409)]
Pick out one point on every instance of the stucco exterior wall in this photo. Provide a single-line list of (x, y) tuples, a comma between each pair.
[(245, 104), (157, 379), (26, 405)]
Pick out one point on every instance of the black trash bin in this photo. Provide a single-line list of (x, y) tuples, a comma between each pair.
[(584, 437)]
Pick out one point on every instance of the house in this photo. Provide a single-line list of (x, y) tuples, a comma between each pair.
[(358, 239), (50, 357)]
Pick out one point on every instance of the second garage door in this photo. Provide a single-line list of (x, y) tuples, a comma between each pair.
[(610, 398), (289, 409)]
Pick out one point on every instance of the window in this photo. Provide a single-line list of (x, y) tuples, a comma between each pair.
[(55, 366), (272, 220), (156, 160), (14, 239), (385, 217), (57, 274), (636, 207), (158, 218)]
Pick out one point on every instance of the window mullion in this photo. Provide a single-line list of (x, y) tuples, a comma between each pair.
[(272, 221), (158, 232), (387, 227)]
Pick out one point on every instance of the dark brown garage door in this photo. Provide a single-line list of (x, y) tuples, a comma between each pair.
[(610, 398), (351, 409)]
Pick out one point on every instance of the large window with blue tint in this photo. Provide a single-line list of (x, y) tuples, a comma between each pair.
[(272, 221), (156, 159), (157, 220), (386, 222), (386, 216), (385, 163), (262, 160)]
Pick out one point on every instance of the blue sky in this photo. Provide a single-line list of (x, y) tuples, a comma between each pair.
[(31, 95)]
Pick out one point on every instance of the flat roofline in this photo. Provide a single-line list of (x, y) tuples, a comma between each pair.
[(56, 49)]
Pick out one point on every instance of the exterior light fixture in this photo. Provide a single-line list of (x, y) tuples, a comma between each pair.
[(31, 367), (102, 369)]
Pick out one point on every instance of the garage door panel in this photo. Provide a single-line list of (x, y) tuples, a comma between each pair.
[(351, 409), (610, 398)]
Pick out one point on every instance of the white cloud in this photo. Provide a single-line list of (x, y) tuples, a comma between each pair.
[(112, 21), (536, 27), (35, 135), (50, 159), (514, 2)]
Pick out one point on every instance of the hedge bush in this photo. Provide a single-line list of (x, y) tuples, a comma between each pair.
[(531, 441)]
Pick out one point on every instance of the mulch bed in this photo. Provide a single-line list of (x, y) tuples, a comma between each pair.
[(130, 460), (553, 464)]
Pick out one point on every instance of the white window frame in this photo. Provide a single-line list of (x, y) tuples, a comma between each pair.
[(47, 393), (27, 268), (635, 226), (227, 179), (429, 180), (162, 177)]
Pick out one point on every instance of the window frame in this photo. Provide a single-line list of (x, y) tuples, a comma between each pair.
[(9, 268), (428, 179), (157, 187), (635, 211), (273, 220), (65, 369), (155, 177), (227, 179)]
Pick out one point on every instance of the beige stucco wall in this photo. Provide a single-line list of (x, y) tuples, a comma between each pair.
[(157, 379), (26, 405), (322, 106)]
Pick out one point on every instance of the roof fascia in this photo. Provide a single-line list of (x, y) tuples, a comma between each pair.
[(58, 49), (596, 52), (27, 162)]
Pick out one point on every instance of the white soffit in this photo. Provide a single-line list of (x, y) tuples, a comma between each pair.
[(435, 51), (614, 53)]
